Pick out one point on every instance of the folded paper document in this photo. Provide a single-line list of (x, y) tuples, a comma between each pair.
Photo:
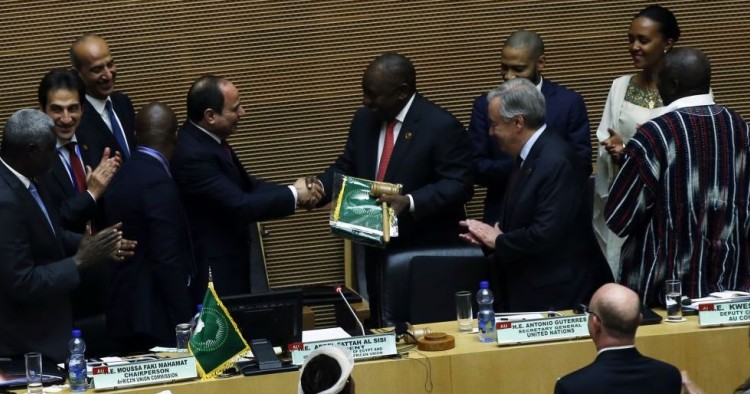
[(355, 213)]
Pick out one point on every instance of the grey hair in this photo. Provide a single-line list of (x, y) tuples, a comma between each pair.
[(520, 97), (526, 39), (24, 127)]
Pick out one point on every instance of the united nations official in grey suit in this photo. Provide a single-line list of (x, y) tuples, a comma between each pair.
[(36, 270)]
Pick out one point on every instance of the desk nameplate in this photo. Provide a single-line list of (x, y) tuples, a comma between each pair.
[(361, 347), (724, 313), (542, 330), (144, 372)]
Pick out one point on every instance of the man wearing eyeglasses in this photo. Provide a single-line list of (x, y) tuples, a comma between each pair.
[(614, 316)]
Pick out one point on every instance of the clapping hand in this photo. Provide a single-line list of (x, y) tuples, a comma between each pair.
[(480, 233)]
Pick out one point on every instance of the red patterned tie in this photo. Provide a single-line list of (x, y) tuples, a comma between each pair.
[(385, 157), (79, 175)]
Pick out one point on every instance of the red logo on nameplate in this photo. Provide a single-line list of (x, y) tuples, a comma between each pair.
[(98, 370), (503, 325), (706, 307), (296, 346)]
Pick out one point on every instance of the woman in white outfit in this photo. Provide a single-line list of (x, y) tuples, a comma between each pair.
[(633, 100)]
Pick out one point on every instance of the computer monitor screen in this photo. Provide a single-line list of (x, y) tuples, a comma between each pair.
[(275, 316)]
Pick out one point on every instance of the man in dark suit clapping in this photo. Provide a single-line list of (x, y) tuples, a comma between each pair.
[(542, 258), (40, 260), (523, 56)]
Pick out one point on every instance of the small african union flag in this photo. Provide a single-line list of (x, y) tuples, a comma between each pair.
[(217, 341)]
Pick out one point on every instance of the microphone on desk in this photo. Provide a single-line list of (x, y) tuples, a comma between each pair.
[(341, 293), (405, 328)]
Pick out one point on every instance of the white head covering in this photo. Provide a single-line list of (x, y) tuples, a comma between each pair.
[(342, 355)]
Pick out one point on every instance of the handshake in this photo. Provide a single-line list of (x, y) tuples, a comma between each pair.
[(309, 192)]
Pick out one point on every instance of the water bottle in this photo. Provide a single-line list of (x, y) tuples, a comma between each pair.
[(77, 363), (194, 321), (486, 314)]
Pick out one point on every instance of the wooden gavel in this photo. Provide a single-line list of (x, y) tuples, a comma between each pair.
[(377, 189)]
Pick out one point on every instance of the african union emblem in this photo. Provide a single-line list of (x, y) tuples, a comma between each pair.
[(212, 329), (216, 340)]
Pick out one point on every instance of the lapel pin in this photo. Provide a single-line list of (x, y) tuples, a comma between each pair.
[(85, 147), (408, 135)]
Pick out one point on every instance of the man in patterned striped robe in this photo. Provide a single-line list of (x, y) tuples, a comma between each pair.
[(681, 196)]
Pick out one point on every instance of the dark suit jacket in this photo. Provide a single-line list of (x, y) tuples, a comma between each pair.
[(622, 371), (149, 293), (221, 200), (35, 275), (431, 159), (94, 135), (75, 208), (566, 114), (543, 260)]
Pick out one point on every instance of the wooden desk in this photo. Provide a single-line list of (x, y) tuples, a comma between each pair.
[(718, 360)]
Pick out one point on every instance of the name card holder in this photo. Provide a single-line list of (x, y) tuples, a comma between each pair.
[(368, 346), (542, 330), (724, 313), (144, 372)]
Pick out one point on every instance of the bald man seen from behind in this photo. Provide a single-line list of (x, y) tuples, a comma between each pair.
[(614, 316), (149, 294)]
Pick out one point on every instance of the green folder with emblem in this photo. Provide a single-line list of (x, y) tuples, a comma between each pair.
[(356, 214)]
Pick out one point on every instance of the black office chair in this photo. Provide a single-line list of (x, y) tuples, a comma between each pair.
[(419, 285)]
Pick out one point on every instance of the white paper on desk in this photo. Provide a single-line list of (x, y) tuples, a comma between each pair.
[(720, 296), (523, 316), (324, 334), (162, 349), (730, 294)]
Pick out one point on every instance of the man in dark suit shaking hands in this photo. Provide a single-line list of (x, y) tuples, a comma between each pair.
[(221, 198), (542, 258), (108, 115), (399, 136), (614, 316)]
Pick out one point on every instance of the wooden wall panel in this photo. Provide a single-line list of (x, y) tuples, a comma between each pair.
[(298, 65)]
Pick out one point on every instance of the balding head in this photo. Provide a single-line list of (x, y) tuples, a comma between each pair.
[(525, 39), (90, 55), (396, 68), (617, 314), (155, 127), (686, 72)]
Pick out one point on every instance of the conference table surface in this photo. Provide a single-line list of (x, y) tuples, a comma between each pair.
[(718, 360)]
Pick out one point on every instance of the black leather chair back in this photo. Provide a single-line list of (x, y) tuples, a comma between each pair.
[(419, 285)]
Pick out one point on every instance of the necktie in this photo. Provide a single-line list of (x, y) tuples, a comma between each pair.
[(385, 157), (117, 130), (35, 193), (79, 175)]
